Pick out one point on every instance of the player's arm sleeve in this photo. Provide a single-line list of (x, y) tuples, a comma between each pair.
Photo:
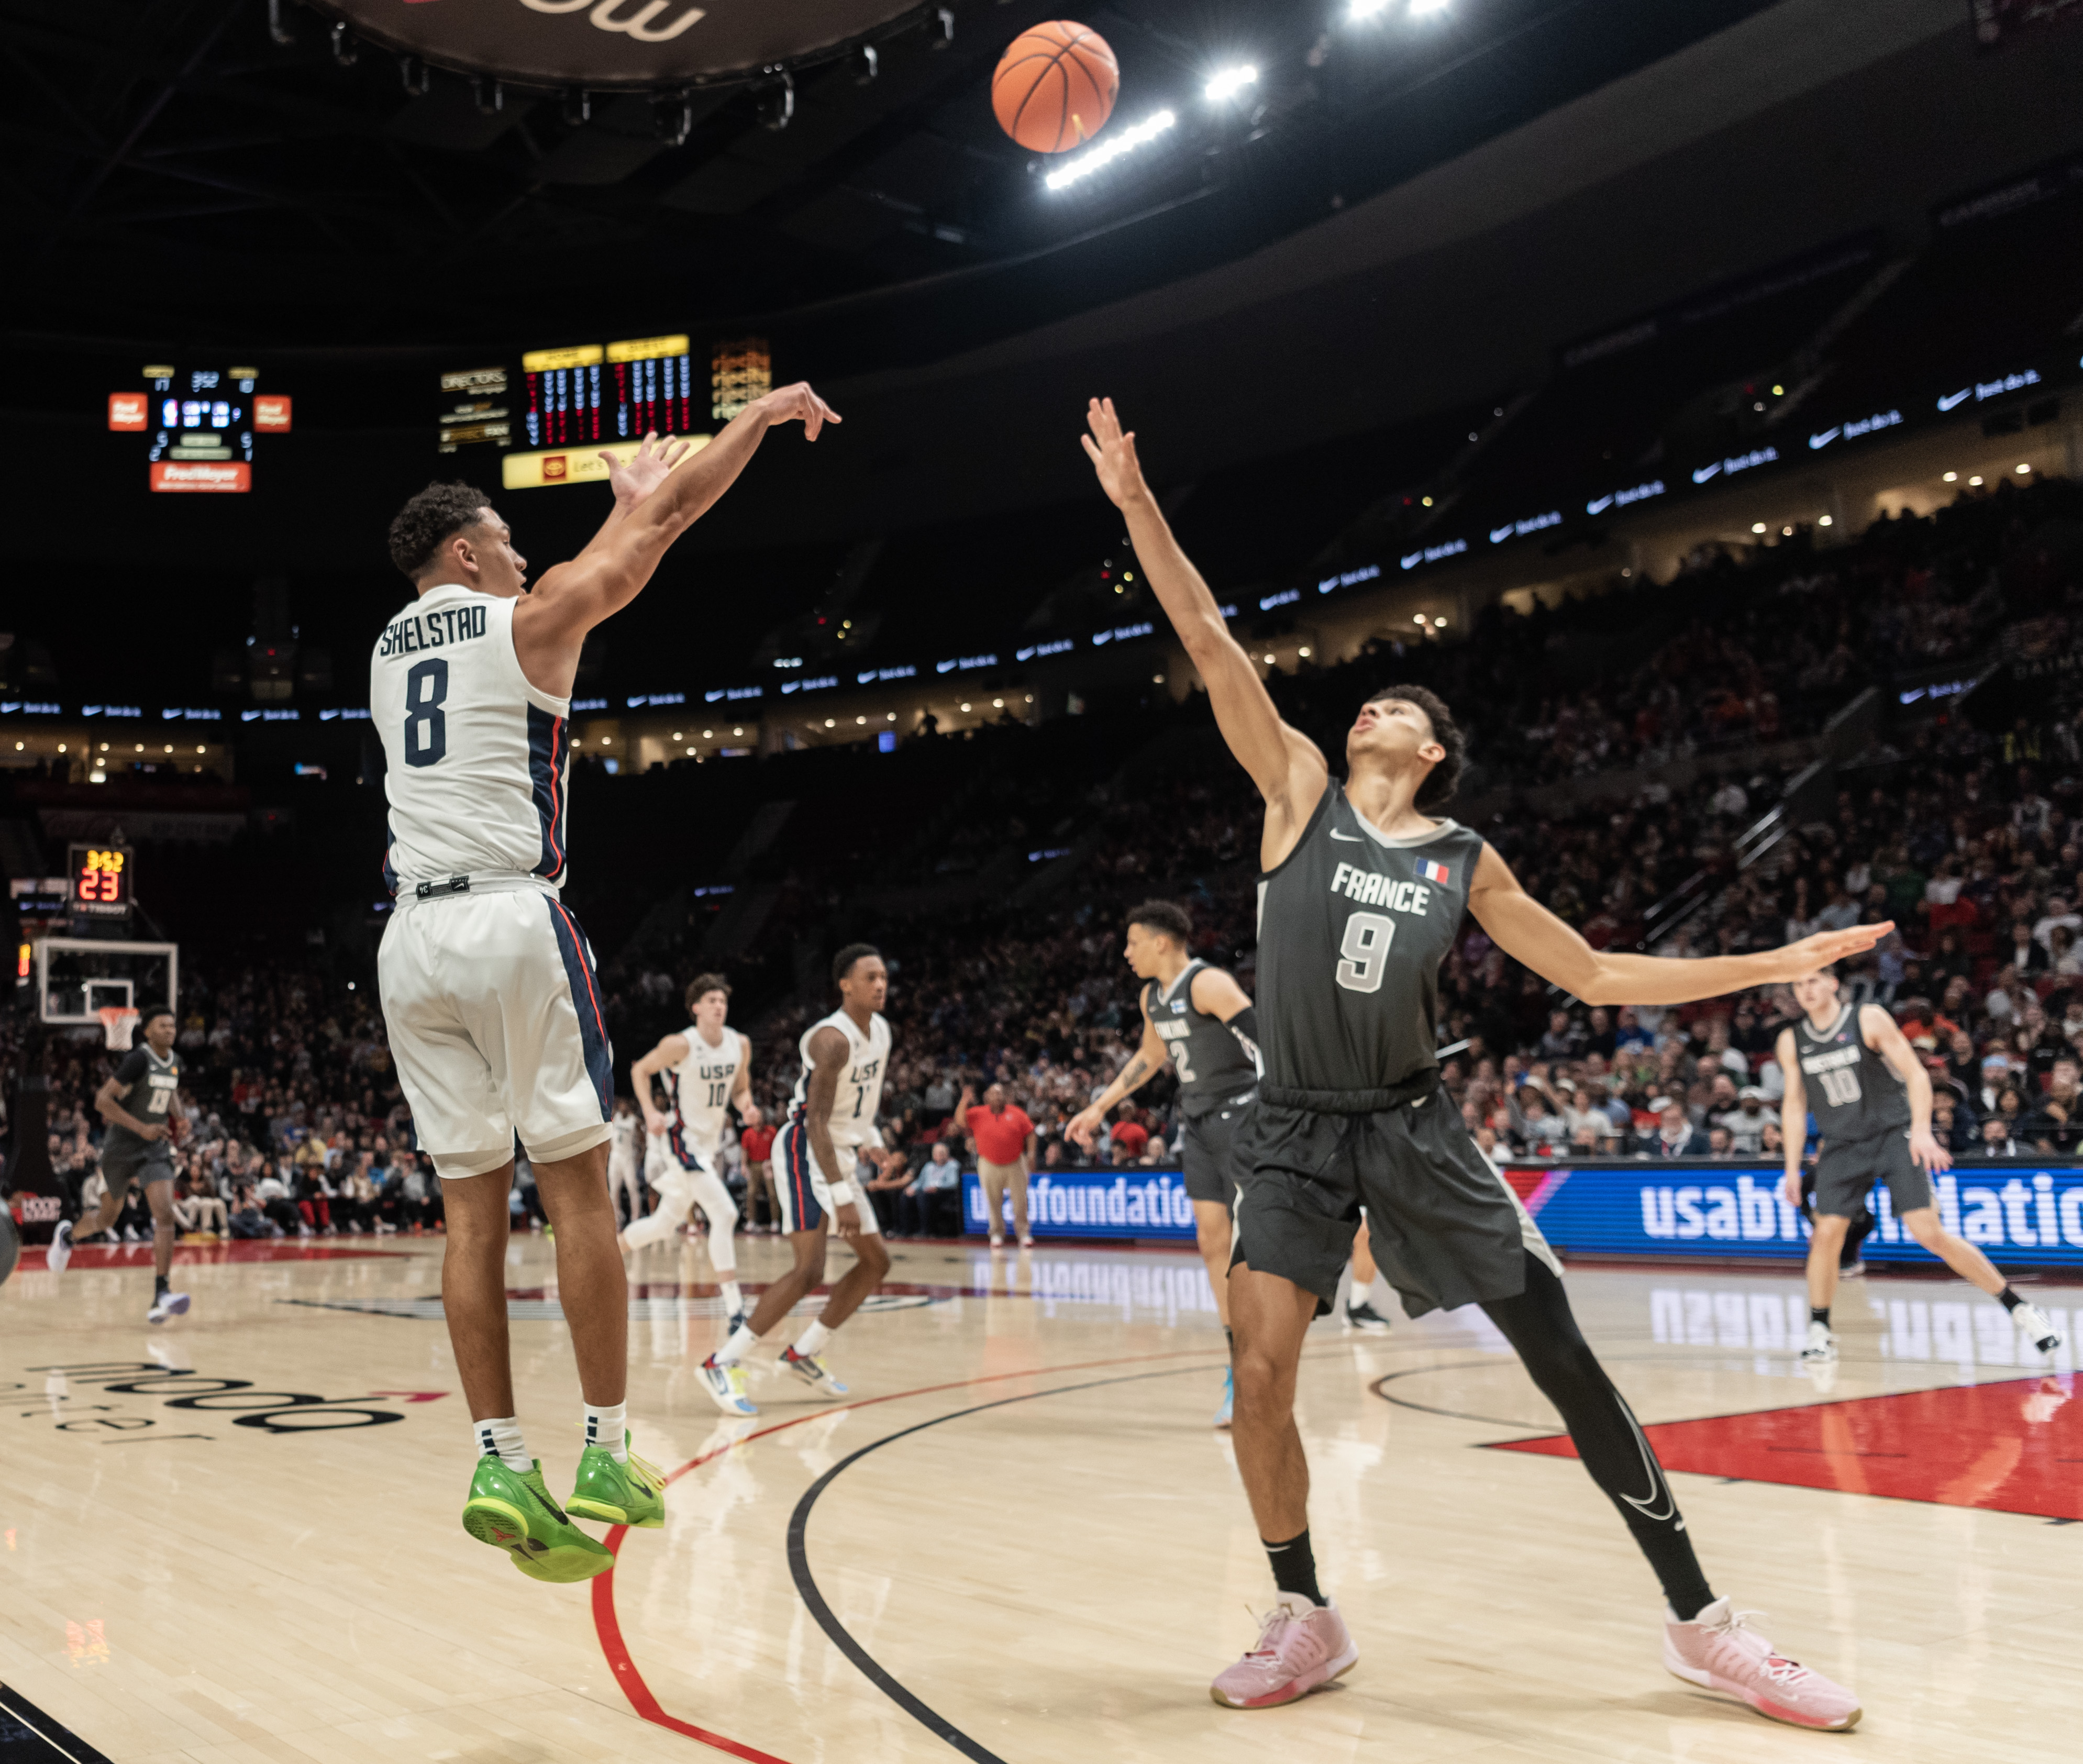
[(1245, 1026)]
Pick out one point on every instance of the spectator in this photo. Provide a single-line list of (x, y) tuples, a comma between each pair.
[(1128, 1138), (1746, 1122), (248, 1221), (1996, 1141), (757, 1143), (1675, 1137), (931, 1202), (197, 1208)]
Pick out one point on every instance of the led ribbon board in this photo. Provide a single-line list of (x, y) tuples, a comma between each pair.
[(610, 44)]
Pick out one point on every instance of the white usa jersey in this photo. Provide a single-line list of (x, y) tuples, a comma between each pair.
[(701, 1085), (859, 1097), (479, 759)]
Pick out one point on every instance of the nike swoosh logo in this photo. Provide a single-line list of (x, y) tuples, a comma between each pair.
[(1411, 559), (1705, 473), (1817, 443), (1599, 507), (1351, 838), (1498, 535), (1659, 1490), (1956, 399)]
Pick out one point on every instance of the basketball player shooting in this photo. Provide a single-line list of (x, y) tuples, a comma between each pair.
[(1362, 890), (486, 981)]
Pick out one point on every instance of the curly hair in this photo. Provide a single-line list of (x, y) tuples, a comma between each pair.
[(703, 984), (430, 519), (1440, 783)]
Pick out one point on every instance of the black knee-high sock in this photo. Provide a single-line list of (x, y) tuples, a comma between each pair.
[(1539, 1325)]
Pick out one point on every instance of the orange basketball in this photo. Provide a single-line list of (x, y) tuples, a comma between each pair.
[(1055, 87)]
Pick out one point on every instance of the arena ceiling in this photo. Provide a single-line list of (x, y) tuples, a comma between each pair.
[(226, 171)]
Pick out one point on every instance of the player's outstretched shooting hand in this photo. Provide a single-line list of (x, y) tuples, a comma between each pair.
[(635, 479), (1084, 1126), (798, 404), (1112, 454), (1795, 959)]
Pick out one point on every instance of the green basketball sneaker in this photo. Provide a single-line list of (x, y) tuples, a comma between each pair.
[(515, 1513), (631, 1494)]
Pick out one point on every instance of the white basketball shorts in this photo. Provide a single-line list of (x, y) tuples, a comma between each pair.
[(496, 1025), (804, 1189)]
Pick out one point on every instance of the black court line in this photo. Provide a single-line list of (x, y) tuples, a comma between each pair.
[(28, 1736), (839, 1635)]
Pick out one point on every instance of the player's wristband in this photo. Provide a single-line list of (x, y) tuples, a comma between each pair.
[(842, 1194)]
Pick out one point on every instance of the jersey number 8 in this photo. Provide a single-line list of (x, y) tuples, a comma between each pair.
[(1365, 948), (426, 728)]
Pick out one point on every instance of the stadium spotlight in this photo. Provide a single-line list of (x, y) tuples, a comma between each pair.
[(1230, 81), (1108, 151)]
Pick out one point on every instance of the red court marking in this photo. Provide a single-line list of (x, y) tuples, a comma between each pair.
[(265, 1250), (608, 1626), (2015, 1446)]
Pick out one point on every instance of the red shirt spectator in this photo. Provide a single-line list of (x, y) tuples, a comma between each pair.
[(757, 1143), (1000, 1136), (1132, 1136)]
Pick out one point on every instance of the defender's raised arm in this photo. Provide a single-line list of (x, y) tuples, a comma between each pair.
[(1285, 765)]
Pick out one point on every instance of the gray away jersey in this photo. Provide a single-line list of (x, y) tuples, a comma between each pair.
[(146, 1088), (1352, 928), (1852, 1092), (1213, 1061)]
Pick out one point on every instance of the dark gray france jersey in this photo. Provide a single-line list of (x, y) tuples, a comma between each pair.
[(1213, 1063), (1852, 1092), (1352, 928), (145, 1087)]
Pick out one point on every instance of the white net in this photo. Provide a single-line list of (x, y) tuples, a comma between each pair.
[(119, 1022)]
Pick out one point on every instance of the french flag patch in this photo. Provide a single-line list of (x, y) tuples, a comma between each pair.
[(1433, 872)]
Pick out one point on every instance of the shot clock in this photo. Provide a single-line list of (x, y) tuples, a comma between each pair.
[(102, 876)]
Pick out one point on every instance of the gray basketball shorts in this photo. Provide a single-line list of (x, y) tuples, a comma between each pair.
[(145, 1162), (1446, 1228), (1847, 1170), (1207, 1152)]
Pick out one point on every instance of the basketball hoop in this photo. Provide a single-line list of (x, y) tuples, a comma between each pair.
[(119, 1022)]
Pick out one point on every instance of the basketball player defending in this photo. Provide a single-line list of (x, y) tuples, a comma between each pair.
[(1362, 893), (831, 1123), (1198, 1018), (707, 1070), (136, 1100), (486, 982), (1873, 1104)]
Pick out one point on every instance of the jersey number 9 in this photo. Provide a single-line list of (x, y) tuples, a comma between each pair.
[(426, 729), (1365, 948)]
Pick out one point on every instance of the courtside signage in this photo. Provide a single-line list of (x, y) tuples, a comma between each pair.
[(1092, 1203), (2018, 1214)]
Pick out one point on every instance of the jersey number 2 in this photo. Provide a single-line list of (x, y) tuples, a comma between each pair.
[(1365, 948), (426, 729)]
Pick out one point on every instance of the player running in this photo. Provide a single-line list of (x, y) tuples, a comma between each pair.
[(625, 1158), (138, 1100), (830, 1124), (1197, 1017), (1873, 1107), (707, 1070), (1362, 893), (486, 982)]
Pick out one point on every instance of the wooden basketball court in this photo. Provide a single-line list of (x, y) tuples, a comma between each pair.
[(234, 1539)]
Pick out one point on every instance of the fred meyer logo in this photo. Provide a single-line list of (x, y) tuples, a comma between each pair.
[(190, 474)]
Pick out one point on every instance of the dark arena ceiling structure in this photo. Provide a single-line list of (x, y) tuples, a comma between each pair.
[(347, 173)]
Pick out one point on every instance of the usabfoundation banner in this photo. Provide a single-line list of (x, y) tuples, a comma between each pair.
[(2019, 1213), (1091, 1203)]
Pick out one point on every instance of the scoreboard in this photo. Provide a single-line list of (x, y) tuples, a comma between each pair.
[(552, 415), (201, 423)]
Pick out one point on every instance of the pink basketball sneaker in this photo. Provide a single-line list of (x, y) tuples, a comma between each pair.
[(1301, 1646), (1719, 1650)]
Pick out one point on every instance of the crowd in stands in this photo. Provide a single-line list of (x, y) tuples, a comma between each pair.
[(1963, 831)]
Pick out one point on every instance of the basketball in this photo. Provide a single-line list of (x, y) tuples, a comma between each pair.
[(1055, 87)]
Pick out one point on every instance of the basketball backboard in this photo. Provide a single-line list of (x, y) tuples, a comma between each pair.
[(76, 977)]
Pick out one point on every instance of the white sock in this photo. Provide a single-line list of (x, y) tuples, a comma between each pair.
[(501, 1439), (733, 1300), (607, 1424), (742, 1341), (813, 1338)]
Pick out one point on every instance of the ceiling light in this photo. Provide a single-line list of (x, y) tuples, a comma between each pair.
[(1779, 391), (1230, 81), (829, 723), (1974, 480), (1156, 680), (690, 750), (1952, 477), (1438, 624), (965, 707), (1825, 521), (2025, 468), (1418, 618), (677, 736), (860, 720), (1757, 526), (1302, 652), (889, 716), (707, 733), (1428, 502), (998, 704), (1268, 661), (1108, 151), (1786, 532), (738, 731)]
